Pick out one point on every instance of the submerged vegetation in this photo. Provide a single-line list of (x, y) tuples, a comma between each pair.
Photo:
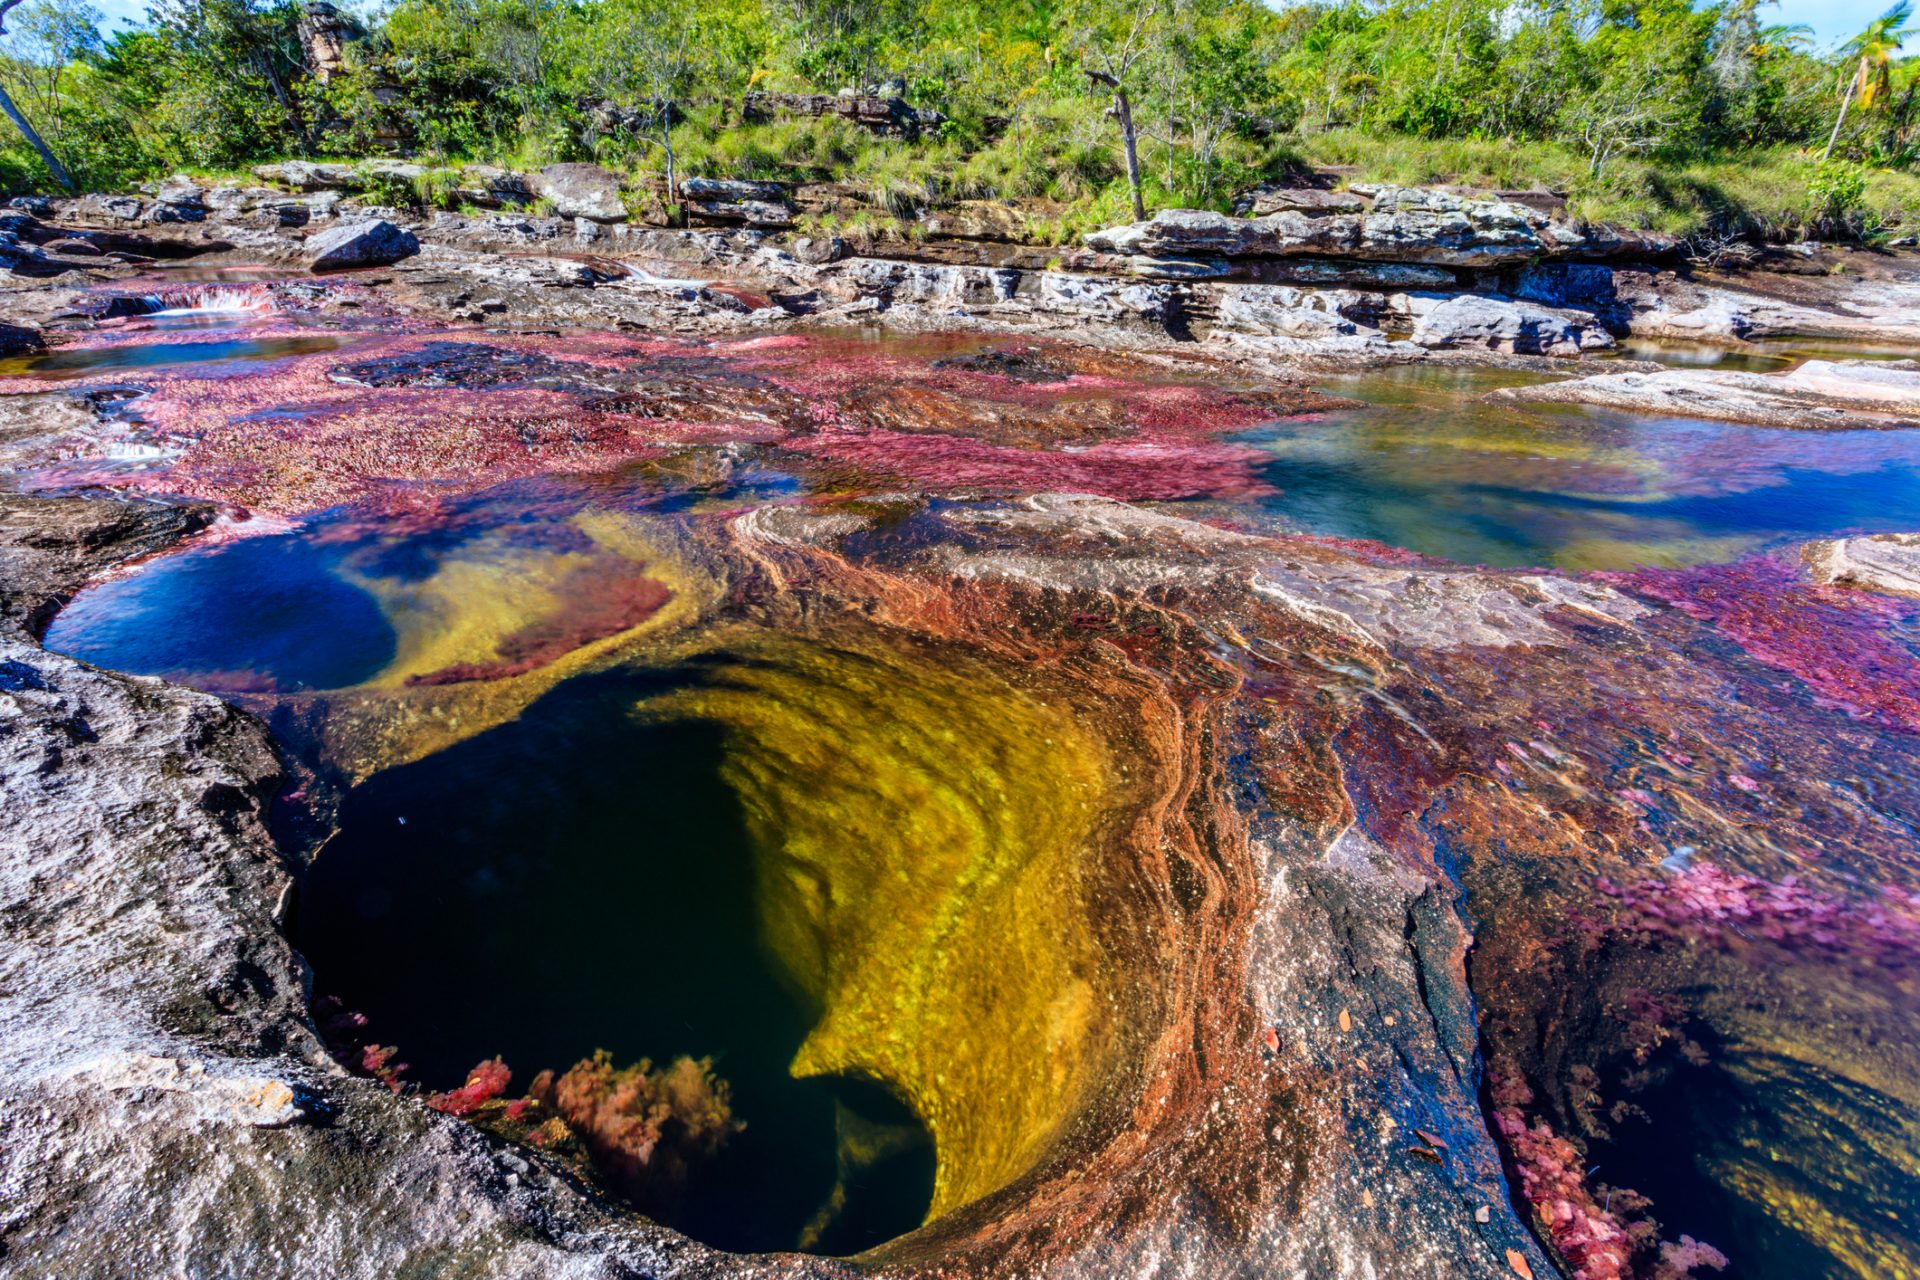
[(641, 1129), (1656, 112)]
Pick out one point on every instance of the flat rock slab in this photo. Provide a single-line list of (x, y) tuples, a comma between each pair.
[(1888, 563), (1505, 324), (1832, 396), (581, 191), (359, 244), (1308, 200)]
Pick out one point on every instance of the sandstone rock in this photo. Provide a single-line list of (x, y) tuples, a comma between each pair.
[(1291, 312), (925, 283), (1888, 563), (181, 192), (111, 208), (18, 339), (1308, 200), (880, 113), (751, 213), (1499, 324), (819, 250), (490, 187), (1092, 297), (1179, 268), (1836, 396), (38, 206), (359, 244), (725, 189), (581, 191), (1412, 225), (1364, 275), (307, 175), (384, 171)]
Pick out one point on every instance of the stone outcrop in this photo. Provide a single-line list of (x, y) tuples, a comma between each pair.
[(581, 191), (1501, 324), (1888, 563), (884, 115), (751, 204), (1311, 201), (1818, 395), (1410, 225), (373, 243)]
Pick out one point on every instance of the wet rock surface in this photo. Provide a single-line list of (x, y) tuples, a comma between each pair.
[(1385, 879), (1819, 395)]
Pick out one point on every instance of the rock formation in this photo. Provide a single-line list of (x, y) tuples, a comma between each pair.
[(1222, 899)]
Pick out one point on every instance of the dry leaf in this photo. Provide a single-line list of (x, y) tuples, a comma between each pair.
[(1366, 1198), (1346, 1022), (1518, 1261), (1429, 1139)]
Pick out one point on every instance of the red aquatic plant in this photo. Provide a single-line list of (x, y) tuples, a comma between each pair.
[(1846, 646), (485, 1082), (377, 1060), (1601, 1232), (1704, 905), (642, 1127)]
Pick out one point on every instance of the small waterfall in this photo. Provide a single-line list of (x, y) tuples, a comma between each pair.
[(648, 278), (218, 299)]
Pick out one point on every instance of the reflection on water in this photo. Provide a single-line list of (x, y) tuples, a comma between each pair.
[(78, 362), (1427, 465), (485, 586), (264, 612)]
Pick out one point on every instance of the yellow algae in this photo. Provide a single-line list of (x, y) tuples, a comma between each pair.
[(1596, 552), (921, 829), (467, 607)]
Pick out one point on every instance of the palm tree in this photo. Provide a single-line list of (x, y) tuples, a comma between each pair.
[(1874, 48)]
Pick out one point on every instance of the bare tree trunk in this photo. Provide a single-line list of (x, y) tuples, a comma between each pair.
[(666, 145), (1846, 101), (1122, 111), (58, 170)]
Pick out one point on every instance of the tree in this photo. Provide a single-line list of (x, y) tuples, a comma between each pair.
[(1874, 48), (1112, 43), (653, 53), (20, 122)]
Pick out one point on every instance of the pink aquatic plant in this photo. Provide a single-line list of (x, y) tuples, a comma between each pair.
[(1606, 1238), (486, 1082), (1704, 905), (1845, 645)]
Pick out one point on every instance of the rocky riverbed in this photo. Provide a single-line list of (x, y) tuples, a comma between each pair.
[(1206, 887)]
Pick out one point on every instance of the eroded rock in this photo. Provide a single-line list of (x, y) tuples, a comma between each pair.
[(1888, 563), (374, 243), (581, 191), (1498, 324)]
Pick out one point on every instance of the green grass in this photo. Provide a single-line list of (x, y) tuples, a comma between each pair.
[(1765, 193), (1063, 167)]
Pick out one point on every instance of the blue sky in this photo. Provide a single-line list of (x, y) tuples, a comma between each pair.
[(1832, 20)]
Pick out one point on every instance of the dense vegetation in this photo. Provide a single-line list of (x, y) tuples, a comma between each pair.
[(1655, 111)]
